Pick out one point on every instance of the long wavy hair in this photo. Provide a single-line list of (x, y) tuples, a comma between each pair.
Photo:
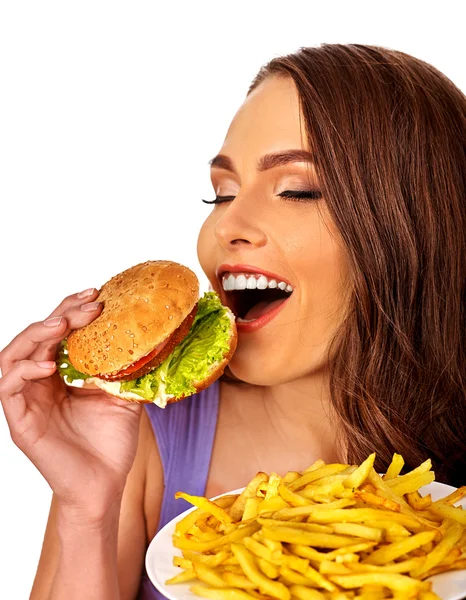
[(389, 136)]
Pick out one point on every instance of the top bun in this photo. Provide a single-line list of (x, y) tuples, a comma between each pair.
[(142, 307)]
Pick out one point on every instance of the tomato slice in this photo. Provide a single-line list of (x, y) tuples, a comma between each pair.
[(136, 366)]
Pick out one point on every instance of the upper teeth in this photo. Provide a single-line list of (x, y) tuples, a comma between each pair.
[(248, 281)]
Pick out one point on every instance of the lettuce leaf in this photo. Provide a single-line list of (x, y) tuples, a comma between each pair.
[(65, 368)]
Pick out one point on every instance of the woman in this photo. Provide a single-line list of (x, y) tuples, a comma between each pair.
[(343, 175)]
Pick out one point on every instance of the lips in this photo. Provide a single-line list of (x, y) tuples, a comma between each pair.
[(253, 308)]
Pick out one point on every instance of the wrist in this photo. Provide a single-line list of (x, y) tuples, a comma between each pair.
[(93, 518)]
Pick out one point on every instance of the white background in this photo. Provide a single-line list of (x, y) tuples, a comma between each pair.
[(109, 113)]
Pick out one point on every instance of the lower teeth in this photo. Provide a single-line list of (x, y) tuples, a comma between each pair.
[(240, 320)]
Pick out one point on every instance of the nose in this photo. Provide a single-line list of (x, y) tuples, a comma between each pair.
[(239, 224)]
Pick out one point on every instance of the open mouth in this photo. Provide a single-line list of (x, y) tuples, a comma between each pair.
[(250, 297)]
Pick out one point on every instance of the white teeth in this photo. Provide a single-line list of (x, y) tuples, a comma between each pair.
[(243, 281), (229, 283), (262, 283), (240, 282)]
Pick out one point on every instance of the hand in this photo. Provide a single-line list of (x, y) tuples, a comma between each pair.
[(82, 441)]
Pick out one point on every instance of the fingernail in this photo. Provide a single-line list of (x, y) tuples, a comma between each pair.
[(87, 292), (90, 306), (53, 321), (45, 364)]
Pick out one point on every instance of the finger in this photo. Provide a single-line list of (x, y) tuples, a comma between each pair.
[(24, 344), (83, 297), (12, 385), (40, 340), (75, 317)]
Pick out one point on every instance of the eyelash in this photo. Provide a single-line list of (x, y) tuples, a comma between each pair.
[(288, 194)]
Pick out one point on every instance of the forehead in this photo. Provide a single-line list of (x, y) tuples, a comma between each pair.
[(269, 120)]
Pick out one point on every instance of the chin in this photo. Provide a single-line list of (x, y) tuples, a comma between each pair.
[(264, 373), (268, 368)]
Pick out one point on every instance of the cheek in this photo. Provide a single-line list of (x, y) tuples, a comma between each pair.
[(206, 245), (322, 270)]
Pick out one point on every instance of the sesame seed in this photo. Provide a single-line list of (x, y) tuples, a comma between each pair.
[(170, 317), (128, 331), (167, 306), (120, 349), (130, 351), (131, 335)]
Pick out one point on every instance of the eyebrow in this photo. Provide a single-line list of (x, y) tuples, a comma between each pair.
[(268, 161)]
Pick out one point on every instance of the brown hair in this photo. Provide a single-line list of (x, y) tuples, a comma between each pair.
[(389, 135)]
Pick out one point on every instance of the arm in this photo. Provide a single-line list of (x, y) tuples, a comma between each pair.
[(66, 551), (84, 442)]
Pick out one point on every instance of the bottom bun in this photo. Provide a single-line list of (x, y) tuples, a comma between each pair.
[(162, 399)]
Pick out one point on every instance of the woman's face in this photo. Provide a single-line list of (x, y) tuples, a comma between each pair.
[(261, 238)]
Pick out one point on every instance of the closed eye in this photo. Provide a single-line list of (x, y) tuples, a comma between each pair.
[(288, 194)]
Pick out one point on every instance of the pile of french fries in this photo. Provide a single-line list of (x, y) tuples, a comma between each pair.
[(332, 532)]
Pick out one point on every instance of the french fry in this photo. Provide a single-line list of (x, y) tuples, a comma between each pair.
[(216, 594), (207, 506), (393, 581), (316, 474), (182, 577), (250, 491), (450, 512), (374, 500), (304, 593), (260, 550), (454, 497), (358, 530), (303, 526), (251, 508), (422, 468), (360, 474), (238, 581), (418, 502), (288, 513), (265, 585), (208, 575), (307, 538), (234, 536), (272, 486), (412, 484), (441, 550), (395, 467), (396, 549), (332, 532)]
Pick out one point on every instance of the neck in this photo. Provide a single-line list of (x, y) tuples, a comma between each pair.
[(299, 410)]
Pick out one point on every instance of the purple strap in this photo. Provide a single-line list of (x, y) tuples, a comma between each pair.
[(185, 433)]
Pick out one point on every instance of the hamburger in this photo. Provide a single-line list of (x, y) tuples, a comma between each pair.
[(155, 339)]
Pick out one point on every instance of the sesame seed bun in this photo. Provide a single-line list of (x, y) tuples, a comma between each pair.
[(143, 306), (215, 372)]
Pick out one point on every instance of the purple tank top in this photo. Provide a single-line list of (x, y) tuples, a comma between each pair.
[(185, 435)]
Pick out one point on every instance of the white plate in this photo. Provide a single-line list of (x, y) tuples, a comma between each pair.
[(159, 559)]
